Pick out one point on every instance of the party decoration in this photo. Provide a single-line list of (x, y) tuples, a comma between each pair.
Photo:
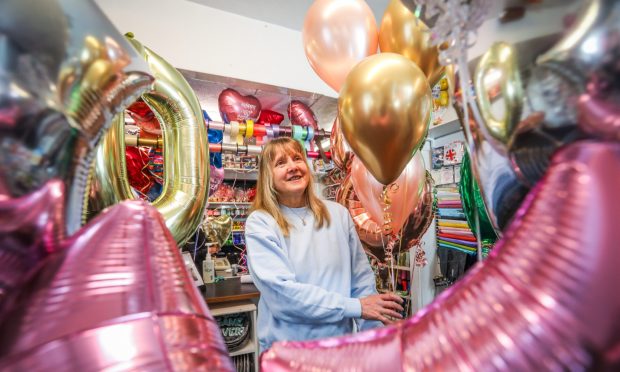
[(66, 73), (473, 203), (31, 228), (269, 117), (419, 220), (138, 175), (549, 303), (236, 107), (404, 192), (384, 112), (337, 34), (503, 192), (115, 296), (586, 55), (216, 179), (403, 33), (368, 230), (218, 229), (340, 150), (145, 119), (497, 76), (300, 114), (186, 170)]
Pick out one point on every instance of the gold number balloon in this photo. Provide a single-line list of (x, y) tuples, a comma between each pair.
[(497, 78), (186, 152), (384, 111), (403, 33)]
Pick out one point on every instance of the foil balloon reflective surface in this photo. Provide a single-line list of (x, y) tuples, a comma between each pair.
[(588, 56), (64, 72), (236, 107), (421, 218), (473, 203), (186, 164), (403, 33), (544, 300), (300, 114), (116, 296), (31, 228), (384, 112), (218, 229), (403, 193)]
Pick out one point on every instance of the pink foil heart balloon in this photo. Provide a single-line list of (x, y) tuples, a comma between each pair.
[(546, 299), (235, 107), (31, 228), (404, 194), (300, 114), (116, 297)]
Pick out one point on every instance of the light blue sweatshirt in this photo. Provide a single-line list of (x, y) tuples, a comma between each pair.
[(311, 281)]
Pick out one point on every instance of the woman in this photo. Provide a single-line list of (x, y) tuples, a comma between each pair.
[(305, 257)]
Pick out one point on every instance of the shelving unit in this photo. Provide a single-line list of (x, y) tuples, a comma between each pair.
[(251, 346), (241, 174)]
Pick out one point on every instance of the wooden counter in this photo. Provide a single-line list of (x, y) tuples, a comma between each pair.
[(229, 290)]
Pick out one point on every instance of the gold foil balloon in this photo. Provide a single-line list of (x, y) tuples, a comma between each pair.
[(218, 229), (384, 112), (403, 33), (499, 92), (337, 34), (186, 152)]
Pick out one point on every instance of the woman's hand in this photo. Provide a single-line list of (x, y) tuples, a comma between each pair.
[(382, 307)]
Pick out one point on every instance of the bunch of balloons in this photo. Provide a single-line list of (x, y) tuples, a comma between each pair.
[(384, 107)]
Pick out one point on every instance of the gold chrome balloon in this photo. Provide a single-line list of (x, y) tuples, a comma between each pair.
[(384, 112), (186, 152), (499, 88), (403, 33)]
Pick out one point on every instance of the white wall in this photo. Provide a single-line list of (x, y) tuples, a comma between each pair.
[(198, 38)]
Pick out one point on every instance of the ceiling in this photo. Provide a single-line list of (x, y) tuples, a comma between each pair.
[(291, 13)]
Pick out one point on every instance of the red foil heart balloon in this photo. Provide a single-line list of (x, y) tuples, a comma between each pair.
[(300, 114), (235, 107), (270, 117)]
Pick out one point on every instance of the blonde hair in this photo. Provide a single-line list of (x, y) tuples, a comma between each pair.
[(266, 194)]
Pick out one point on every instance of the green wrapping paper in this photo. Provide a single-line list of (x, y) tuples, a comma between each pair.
[(472, 200)]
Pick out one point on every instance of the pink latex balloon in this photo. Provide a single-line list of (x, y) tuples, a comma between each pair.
[(216, 179), (337, 34), (117, 297), (300, 114), (235, 107), (404, 194), (31, 228), (546, 299)]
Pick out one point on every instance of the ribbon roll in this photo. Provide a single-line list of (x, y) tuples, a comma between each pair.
[(249, 128)]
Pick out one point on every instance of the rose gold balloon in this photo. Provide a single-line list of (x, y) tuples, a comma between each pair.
[(337, 34), (546, 299), (421, 218), (403, 33), (368, 230), (404, 192), (341, 152), (116, 297)]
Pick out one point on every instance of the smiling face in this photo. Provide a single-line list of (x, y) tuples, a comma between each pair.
[(291, 175)]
